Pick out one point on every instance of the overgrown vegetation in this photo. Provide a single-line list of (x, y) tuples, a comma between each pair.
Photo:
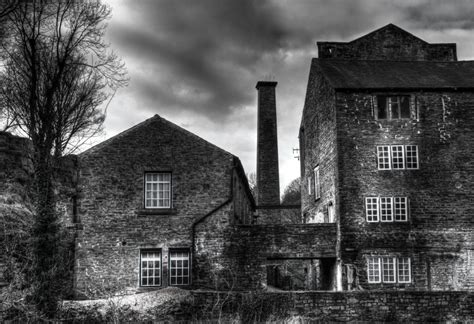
[(58, 75)]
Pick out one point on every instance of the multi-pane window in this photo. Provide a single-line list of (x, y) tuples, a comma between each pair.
[(397, 157), (404, 273), (398, 162), (388, 272), (400, 208), (383, 157), (388, 269), (158, 190), (373, 269), (317, 184), (393, 107), (150, 268), (372, 209), (386, 211), (179, 268), (411, 156), (388, 208)]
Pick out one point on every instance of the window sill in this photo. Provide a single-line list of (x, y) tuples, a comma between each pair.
[(164, 211)]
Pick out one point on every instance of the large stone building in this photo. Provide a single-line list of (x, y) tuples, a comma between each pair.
[(387, 161), (386, 139)]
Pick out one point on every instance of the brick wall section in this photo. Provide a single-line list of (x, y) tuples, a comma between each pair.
[(111, 204), (388, 43), (279, 215), (387, 306), (438, 233), (236, 256), (319, 147), (268, 179)]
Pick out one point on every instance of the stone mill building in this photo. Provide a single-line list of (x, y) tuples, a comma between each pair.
[(387, 186)]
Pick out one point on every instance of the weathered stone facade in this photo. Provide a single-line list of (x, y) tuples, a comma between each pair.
[(341, 132)]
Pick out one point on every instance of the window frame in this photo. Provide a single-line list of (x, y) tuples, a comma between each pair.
[(389, 106), (394, 272), (385, 151), (378, 217), (310, 186), (145, 191), (140, 277), (189, 268), (317, 183), (381, 269)]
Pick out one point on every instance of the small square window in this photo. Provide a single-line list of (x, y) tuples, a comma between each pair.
[(179, 268), (158, 190), (150, 268)]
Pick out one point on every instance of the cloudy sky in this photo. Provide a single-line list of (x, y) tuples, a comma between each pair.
[(196, 62)]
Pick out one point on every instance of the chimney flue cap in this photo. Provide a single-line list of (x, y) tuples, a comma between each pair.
[(261, 84)]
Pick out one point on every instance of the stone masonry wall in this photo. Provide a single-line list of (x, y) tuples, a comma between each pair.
[(377, 306), (388, 43), (438, 233), (111, 201), (319, 131), (237, 256)]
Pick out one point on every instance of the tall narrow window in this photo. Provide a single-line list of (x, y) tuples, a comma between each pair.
[(150, 268), (158, 190), (383, 157), (317, 183), (309, 186), (373, 269), (404, 271), (388, 266), (372, 209), (398, 161), (412, 156), (179, 268), (386, 212), (400, 209)]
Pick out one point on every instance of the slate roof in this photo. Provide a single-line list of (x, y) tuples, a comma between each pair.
[(400, 75)]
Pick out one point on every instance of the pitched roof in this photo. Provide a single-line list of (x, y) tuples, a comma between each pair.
[(408, 75)]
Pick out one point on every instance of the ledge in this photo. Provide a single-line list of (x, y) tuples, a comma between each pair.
[(164, 211)]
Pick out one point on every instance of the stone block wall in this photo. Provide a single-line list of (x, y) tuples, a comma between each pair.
[(318, 136), (281, 214), (388, 43), (116, 226), (438, 233)]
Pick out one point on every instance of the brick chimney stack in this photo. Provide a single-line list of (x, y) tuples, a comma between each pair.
[(268, 179)]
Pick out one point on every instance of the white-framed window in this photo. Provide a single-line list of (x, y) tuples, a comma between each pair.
[(383, 157), (373, 269), (388, 269), (398, 161), (386, 209), (400, 208), (397, 157), (411, 156), (388, 272), (404, 270), (158, 190), (391, 107), (179, 268), (317, 183), (372, 209), (309, 186), (150, 268)]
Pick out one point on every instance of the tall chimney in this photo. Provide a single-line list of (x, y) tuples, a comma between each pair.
[(268, 179)]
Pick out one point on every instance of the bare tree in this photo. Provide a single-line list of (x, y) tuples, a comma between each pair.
[(58, 73)]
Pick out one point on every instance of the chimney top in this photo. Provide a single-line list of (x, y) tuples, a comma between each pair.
[(266, 84)]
